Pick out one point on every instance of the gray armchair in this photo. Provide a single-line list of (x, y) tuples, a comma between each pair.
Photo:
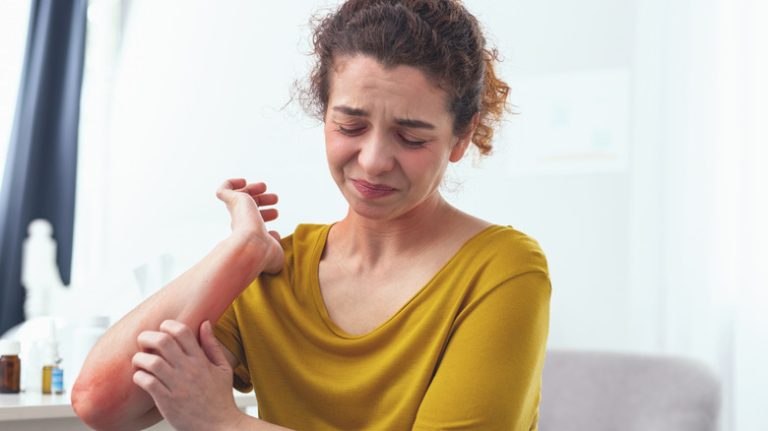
[(625, 392)]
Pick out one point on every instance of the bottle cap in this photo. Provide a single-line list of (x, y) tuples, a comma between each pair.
[(9, 347), (51, 352)]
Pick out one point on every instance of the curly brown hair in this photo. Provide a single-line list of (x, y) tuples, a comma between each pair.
[(439, 37)]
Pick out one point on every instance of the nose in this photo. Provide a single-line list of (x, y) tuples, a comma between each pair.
[(376, 156)]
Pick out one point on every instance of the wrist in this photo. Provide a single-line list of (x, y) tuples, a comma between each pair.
[(234, 421), (250, 247)]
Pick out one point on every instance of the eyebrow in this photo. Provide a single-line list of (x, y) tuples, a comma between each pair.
[(357, 112)]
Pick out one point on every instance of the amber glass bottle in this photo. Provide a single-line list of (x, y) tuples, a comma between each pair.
[(47, 371), (10, 367)]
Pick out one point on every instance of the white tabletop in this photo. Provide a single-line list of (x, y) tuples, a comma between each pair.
[(35, 405)]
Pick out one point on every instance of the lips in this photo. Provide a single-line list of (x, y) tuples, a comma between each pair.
[(377, 187), (372, 191)]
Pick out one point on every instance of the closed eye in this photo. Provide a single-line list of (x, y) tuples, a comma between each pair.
[(349, 132), (354, 132), (410, 142)]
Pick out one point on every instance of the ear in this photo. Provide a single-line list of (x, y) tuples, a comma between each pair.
[(461, 145)]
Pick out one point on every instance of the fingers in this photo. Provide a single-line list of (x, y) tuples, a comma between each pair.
[(239, 185), (182, 335), (253, 188), (275, 234), (268, 214), (266, 199), (211, 346), (162, 344), (154, 365), (234, 183), (231, 184), (151, 384)]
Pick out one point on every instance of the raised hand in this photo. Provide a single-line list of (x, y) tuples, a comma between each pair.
[(246, 205)]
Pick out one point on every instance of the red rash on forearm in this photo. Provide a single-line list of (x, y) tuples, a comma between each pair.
[(104, 395)]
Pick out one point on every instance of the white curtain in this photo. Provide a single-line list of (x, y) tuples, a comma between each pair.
[(700, 192), (741, 182)]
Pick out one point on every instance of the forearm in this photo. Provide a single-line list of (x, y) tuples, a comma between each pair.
[(250, 423), (104, 395)]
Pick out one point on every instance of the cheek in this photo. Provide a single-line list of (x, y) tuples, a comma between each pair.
[(330, 146), (426, 166), (336, 151)]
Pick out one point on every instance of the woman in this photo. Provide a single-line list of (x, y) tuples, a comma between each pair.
[(406, 314)]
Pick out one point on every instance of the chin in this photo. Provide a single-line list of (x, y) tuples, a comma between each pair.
[(372, 212)]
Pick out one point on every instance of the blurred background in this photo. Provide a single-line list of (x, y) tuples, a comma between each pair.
[(638, 158)]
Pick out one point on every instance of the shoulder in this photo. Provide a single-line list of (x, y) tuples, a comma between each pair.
[(505, 278), (509, 252), (305, 238), (302, 246), (502, 257)]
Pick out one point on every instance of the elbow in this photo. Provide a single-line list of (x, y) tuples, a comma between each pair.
[(84, 406), (91, 407), (102, 405)]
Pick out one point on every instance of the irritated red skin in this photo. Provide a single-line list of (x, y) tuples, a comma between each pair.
[(104, 395), (100, 392)]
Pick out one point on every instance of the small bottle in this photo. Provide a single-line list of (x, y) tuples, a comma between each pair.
[(57, 380), (10, 367), (53, 375)]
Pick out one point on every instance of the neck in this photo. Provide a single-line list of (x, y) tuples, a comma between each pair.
[(367, 242)]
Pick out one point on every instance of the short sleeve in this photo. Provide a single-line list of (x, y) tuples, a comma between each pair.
[(227, 332), (489, 377)]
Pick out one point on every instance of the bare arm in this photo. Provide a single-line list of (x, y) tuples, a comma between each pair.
[(104, 395)]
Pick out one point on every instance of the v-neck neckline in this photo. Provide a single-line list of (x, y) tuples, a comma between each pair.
[(320, 302)]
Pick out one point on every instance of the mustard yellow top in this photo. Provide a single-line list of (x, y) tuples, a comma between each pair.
[(466, 352)]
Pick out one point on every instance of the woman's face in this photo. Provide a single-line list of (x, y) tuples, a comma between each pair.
[(388, 137)]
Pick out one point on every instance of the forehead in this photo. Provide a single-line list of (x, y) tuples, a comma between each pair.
[(362, 82)]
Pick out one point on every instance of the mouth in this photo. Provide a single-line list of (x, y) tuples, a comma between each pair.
[(372, 191), (377, 187)]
